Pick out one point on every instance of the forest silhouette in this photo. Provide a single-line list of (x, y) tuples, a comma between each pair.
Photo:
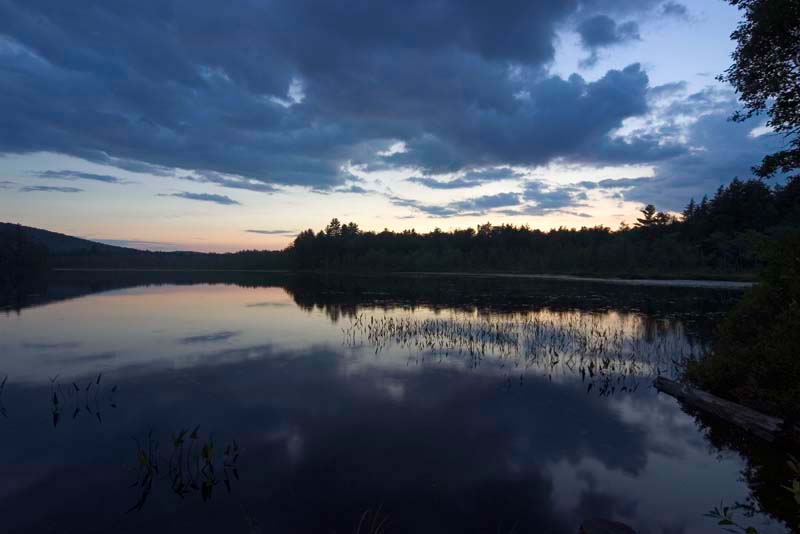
[(726, 235)]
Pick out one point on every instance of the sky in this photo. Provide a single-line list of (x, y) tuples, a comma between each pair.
[(219, 126)]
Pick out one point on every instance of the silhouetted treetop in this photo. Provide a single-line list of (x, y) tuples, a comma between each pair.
[(766, 73), (722, 235)]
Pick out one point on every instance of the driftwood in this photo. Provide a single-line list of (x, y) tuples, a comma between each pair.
[(764, 426)]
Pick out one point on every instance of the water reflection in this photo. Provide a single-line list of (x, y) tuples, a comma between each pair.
[(3, 411), (91, 399), (613, 351), (192, 466), (339, 438)]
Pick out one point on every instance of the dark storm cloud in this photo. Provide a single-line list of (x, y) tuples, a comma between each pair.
[(204, 197), (554, 118), (49, 189), (75, 175), (288, 92), (601, 31)]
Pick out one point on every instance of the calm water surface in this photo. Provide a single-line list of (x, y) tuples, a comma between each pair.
[(357, 405)]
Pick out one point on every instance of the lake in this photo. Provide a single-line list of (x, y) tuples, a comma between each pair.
[(271, 403)]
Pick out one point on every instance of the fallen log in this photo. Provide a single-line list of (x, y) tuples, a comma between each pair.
[(763, 426)]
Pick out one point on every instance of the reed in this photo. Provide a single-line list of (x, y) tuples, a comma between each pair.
[(611, 353), (193, 466)]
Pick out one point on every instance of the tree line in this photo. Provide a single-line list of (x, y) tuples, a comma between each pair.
[(20, 258), (724, 234)]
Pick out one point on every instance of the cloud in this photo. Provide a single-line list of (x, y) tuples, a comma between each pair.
[(675, 9), (203, 197), (473, 178), (233, 182), (470, 207), (290, 92), (721, 151), (615, 183), (49, 189), (542, 198), (272, 232), (667, 90), (601, 31), (558, 119), (433, 183), (6, 184), (717, 150), (351, 189), (537, 198), (488, 202), (75, 175)]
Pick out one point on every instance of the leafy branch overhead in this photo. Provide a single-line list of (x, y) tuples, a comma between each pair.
[(766, 74)]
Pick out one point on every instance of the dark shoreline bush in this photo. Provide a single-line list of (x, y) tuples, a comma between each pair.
[(755, 358)]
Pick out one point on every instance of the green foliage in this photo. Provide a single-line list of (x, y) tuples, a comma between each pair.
[(724, 515), (755, 358), (725, 518), (766, 73)]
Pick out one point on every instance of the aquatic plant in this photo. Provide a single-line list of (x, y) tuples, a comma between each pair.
[(372, 522), (724, 515), (192, 466), (91, 399), (611, 353)]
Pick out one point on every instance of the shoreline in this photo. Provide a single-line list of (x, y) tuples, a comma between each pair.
[(615, 280), (662, 282)]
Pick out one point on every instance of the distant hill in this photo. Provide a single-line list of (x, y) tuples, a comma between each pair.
[(65, 251), (58, 244)]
